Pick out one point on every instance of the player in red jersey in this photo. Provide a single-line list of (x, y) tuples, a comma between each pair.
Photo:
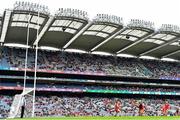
[(117, 108), (165, 108), (141, 109)]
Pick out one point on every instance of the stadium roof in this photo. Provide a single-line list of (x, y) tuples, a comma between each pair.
[(72, 29)]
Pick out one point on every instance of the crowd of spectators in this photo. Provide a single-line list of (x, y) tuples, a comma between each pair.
[(161, 69), (5, 102), (87, 106), (95, 64), (91, 106)]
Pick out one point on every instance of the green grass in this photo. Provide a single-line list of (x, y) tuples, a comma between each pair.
[(105, 118)]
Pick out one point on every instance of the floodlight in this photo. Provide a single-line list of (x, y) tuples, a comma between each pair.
[(170, 28), (31, 7), (108, 18), (68, 12), (141, 23)]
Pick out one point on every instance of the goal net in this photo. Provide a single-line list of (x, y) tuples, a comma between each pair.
[(24, 99)]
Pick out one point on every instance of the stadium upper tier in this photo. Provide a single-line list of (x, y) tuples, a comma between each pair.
[(72, 29), (67, 62)]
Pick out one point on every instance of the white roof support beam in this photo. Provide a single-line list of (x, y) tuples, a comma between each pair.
[(135, 43), (156, 48), (108, 39), (43, 31), (178, 51), (5, 25), (77, 35)]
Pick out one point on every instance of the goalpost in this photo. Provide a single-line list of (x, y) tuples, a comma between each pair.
[(16, 106), (27, 97), (35, 69)]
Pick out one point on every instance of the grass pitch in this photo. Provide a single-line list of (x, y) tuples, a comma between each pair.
[(105, 118)]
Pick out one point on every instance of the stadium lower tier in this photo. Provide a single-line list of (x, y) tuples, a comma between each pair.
[(53, 106)]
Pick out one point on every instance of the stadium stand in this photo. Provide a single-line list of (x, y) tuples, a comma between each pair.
[(88, 106), (78, 105), (87, 84), (91, 64), (5, 104)]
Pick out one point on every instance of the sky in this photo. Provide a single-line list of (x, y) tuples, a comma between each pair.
[(157, 11)]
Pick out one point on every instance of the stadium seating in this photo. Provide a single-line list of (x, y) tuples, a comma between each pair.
[(13, 58), (88, 106), (90, 64), (5, 102)]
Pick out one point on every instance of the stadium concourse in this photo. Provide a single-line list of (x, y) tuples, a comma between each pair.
[(88, 83)]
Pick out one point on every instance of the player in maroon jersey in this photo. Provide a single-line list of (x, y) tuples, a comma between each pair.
[(117, 107), (165, 108), (141, 109)]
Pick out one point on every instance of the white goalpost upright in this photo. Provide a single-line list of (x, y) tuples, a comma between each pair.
[(15, 107), (35, 69), (26, 57), (27, 97)]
